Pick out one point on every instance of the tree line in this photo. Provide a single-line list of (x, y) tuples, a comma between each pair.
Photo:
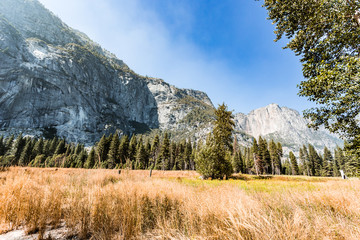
[(219, 156), (161, 153)]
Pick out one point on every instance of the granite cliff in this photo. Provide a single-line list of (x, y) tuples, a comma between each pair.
[(54, 79)]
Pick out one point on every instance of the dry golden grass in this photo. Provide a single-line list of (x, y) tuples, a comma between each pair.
[(102, 204)]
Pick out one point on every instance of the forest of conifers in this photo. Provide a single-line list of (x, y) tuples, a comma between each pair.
[(159, 152)]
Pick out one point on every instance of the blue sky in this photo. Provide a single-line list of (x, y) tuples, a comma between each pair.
[(224, 48)]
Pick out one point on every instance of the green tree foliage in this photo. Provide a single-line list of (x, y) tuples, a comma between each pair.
[(328, 162), (113, 157), (155, 148), (275, 158), (124, 149), (223, 127), (141, 156), (258, 162), (90, 161), (214, 159), (132, 148), (165, 153), (25, 156), (294, 164), (315, 161), (102, 150), (60, 148), (237, 162), (325, 33), (19, 145)]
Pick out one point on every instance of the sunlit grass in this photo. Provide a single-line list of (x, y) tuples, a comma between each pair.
[(103, 204)]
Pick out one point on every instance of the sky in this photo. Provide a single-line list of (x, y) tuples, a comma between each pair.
[(225, 48)]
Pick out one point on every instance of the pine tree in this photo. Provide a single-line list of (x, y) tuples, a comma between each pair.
[(187, 156), (287, 167), (214, 159), (39, 147), (19, 147), (132, 148), (25, 157), (275, 158), (124, 149), (280, 152), (258, 162), (315, 161), (60, 148), (164, 155), (90, 161), (81, 158), (112, 157), (53, 144), (294, 164), (8, 144), (237, 162), (141, 157), (249, 162), (224, 126), (211, 161), (101, 150), (155, 147), (328, 163), (2, 146), (173, 156)]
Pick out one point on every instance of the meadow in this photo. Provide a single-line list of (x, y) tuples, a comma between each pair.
[(103, 204)]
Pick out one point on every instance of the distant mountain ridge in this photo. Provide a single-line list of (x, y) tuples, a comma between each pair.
[(55, 80), (286, 126)]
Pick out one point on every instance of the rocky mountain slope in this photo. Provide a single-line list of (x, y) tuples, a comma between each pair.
[(284, 125), (55, 80)]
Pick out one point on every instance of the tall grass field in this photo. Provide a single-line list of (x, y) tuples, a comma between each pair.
[(103, 204)]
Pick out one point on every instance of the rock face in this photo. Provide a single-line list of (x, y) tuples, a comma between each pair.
[(55, 79), (284, 125)]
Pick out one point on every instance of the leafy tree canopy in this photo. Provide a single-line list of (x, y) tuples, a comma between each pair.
[(326, 34)]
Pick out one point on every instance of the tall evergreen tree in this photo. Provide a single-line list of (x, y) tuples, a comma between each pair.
[(25, 157), (328, 163), (101, 150), (132, 148), (224, 126), (155, 149), (19, 147), (165, 153), (113, 157), (237, 162), (8, 144), (141, 156), (294, 164), (90, 161), (258, 162), (315, 161), (275, 158), (124, 149), (39, 147), (60, 148), (214, 159)]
